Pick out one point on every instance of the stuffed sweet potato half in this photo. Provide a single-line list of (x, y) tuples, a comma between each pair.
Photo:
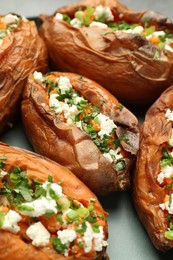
[(21, 52), (127, 52), (74, 121), (153, 182), (46, 212)]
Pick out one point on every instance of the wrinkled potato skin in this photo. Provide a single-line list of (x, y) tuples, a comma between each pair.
[(147, 193), (122, 63), (73, 148), (22, 52), (39, 168)]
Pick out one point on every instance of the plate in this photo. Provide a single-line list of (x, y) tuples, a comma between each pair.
[(128, 239)]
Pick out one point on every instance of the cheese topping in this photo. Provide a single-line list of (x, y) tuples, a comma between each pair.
[(53, 219), (165, 179), (8, 23), (10, 222), (74, 109), (104, 17), (38, 234)]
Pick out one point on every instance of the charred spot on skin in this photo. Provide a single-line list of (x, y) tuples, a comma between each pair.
[(82, 79)]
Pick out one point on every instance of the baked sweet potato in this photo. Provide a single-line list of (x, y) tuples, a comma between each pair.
[(74, 121), (128, 52), (153, 180), (22, 51), (46, 212)]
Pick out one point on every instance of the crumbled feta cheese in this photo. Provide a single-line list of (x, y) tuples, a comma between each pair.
[(60, 107), (11, 220), (66, 235), (79, 125), (169, 115), (10, 18), (167, 205), (90, 236), (54, 186), (39, 207), (3, 173), (136, 30), (59, 16), (171, 139), (106, 125), (77, 99), (98, 24), (105, 12), (38, 76), (38, 234), (113, 155), (160, 177), (166, 172), (1, 41), (76, 23), (64, 84), (24, 19), (168, 47), (156, 34)]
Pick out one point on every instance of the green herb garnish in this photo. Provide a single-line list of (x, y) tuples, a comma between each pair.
[(58, 246)]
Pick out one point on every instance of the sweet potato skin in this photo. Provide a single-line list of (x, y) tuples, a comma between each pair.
[(147, 193), (73, 148), (39, 168), (22, 52), (123, 63)]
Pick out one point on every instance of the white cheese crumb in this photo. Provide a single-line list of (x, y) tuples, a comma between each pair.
[(168, 47), (103, 11), (77, 99), (169, 115), (156, 34), (171, 139), (1, 41), (54, 186), (38, 234), (90, 236), (166, 172), (98, 24), (113, 155), (167, 206), (10, 18), (136, 30), (76, 23), (11, 220), (38, 76), (3, 173), (59, 16), (64, 84), (60, 107), (106, 125), (39, 207), (66, 235)]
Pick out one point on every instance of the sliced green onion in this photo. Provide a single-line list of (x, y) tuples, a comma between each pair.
[(73, 215), (64, 203), (2, 218), (83, 212), (169, 234)]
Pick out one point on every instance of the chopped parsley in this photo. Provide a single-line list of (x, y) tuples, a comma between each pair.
[(58, 246), (156, 55)]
